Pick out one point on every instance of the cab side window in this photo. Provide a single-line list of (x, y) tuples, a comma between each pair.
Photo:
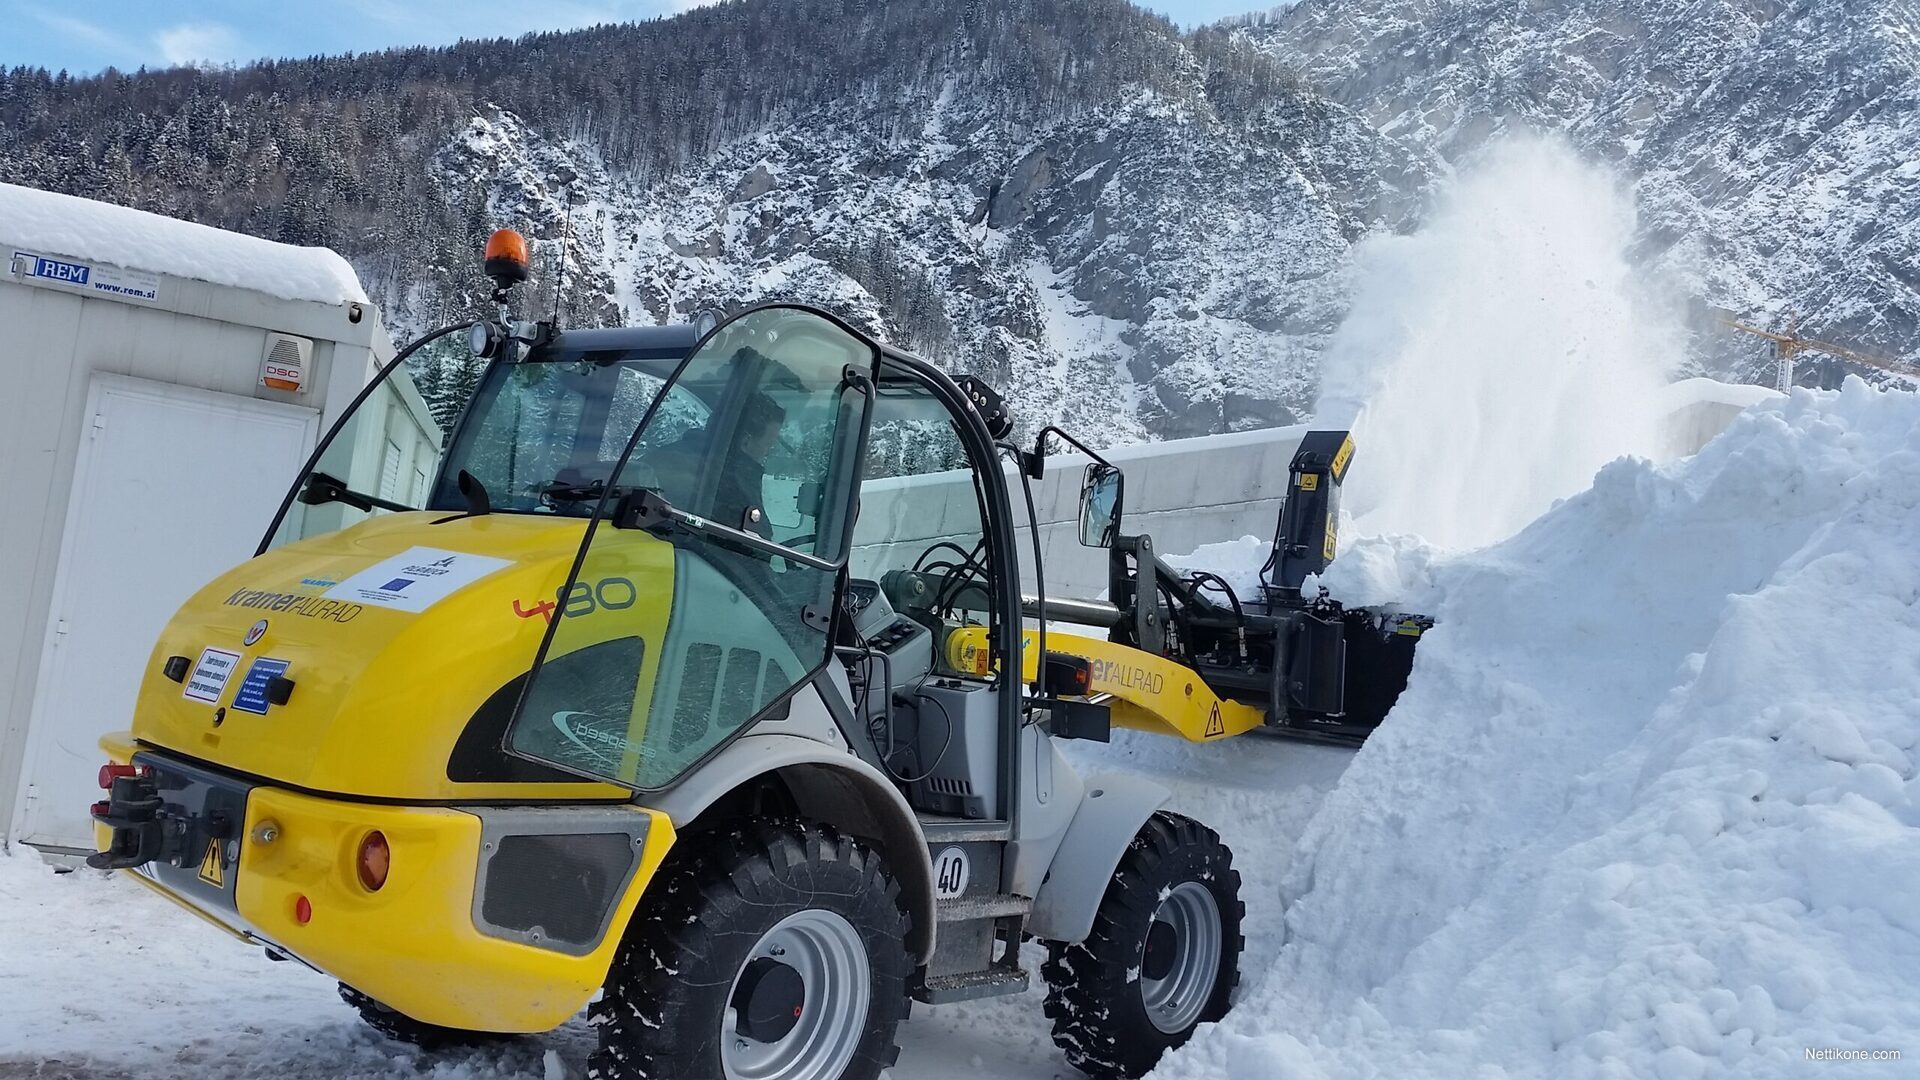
[(919, 532)]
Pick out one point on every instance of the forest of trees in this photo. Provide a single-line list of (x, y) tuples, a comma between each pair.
[(336, 151)]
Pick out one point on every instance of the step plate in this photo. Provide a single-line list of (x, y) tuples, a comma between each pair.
[(972, 986)]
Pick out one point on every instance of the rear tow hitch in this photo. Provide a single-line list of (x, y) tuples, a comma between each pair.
[(141, 831)]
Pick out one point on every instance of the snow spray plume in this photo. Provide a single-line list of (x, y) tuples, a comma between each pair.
[(1497, 357)]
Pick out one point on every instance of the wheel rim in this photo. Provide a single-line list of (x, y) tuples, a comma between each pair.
[(827, 954), (1175, 1000)]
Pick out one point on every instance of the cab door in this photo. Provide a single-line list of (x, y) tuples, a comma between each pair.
[(702, 595)]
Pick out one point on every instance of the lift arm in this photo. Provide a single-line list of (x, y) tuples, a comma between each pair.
[(1146, 692)]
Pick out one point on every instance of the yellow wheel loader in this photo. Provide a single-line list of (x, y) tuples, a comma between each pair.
[(688, 680), (671, 686)]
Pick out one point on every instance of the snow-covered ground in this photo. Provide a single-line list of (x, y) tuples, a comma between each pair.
[(100, 978), (1646, 809)]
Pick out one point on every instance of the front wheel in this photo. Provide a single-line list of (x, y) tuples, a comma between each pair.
[(1163, 956), (765, 949)]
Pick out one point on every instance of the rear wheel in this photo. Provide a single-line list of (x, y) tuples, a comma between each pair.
[(764, 950), (403, 1028), (1162, 958)]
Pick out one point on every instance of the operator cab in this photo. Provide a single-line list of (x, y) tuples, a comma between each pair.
[(777, 457)]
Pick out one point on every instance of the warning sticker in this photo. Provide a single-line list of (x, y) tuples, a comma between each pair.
[(210, 675), (1216, 726), (416, 579), (211, 870), (252, 695)]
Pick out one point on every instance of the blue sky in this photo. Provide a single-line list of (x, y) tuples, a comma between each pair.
[(88, 35)]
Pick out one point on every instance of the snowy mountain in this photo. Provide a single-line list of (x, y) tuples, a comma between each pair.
[(1147, 268), (1136, 230), (1158, 265), (1130, 228), (1770, 142)]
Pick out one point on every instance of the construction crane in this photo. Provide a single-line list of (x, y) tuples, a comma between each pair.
[(1790, 343)]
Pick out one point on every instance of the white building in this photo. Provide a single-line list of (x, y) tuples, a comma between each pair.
[(163, 384)]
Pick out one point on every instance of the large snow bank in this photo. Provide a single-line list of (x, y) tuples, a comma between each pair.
[(1648, 806), (50, 224)]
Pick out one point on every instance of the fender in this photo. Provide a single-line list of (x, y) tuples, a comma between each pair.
[(831, 785), (1112, 810)]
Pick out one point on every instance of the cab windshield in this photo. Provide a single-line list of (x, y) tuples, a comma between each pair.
[(544, 435)]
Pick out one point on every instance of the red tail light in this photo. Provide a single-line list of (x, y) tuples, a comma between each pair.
[(302, 910), (375, 860), (110, 773)]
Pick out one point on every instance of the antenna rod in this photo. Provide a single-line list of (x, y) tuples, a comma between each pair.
[(566, 238)]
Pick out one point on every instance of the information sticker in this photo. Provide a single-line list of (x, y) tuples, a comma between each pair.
[(210, 676), (416, 579)]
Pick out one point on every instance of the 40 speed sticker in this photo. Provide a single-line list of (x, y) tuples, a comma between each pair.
[(950, 873)]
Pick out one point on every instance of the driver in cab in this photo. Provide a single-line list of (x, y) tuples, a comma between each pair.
[(738, 489)]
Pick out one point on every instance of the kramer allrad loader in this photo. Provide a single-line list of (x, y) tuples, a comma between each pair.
[(685, 681)]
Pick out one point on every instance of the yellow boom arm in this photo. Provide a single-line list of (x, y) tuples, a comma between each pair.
[(1146, 692)]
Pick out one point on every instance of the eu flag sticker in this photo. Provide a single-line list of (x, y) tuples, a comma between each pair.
[(252, 695)]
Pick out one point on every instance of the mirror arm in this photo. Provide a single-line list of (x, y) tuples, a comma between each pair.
[(1040, 446)]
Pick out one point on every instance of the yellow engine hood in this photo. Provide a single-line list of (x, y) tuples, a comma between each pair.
[(390, 661)]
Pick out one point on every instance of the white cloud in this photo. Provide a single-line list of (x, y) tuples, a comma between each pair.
[(198, 43), (92, 34), (427, 21)]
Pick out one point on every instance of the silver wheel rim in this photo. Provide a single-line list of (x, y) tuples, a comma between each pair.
[(1174, 1002), (826, 951)]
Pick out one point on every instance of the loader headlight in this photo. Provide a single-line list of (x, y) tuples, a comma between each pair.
[(485, 338), (374, 861)]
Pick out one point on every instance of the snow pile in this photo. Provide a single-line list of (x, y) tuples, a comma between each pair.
[(1498, 356), (50, 224), (1648, 806)]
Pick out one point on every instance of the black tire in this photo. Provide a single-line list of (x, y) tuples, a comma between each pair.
[(1094, 988), (715, 897), (403, 1028)]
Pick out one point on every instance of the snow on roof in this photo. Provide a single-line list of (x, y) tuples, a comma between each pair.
[(53, 224)]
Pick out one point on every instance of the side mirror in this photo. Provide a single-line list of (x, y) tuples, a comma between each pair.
[(1100, 505)]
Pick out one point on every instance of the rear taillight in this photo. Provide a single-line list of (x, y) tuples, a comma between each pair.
[(374, 861), (110, 773)]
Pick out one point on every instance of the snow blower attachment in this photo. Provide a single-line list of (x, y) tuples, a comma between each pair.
[(1284, 662), (1335, 671)]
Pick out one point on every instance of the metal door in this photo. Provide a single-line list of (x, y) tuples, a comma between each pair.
[(172, 486), (703, 593)]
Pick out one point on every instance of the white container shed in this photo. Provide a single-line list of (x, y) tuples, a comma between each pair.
[(164, 382)]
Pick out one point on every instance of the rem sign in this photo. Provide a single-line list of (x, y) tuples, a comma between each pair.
[(87, 277)]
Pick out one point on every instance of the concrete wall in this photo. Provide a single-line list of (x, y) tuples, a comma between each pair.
[(1183, 492), (1699, 409)]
